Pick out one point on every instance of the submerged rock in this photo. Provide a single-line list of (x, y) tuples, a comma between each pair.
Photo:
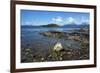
[(56, 34), (47, 34), (58, 47)]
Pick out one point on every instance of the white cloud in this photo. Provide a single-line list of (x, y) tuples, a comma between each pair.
[(57, 19), (70, 20)]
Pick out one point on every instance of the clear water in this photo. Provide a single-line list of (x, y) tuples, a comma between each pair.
[(31, 38)]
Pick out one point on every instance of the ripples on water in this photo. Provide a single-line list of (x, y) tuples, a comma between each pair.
[(30, 37)]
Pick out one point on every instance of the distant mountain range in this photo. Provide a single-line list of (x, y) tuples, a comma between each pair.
[(76, 26), (83, 25)]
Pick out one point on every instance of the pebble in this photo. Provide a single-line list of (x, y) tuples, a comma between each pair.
[(61, 58), (28, 49), (42, 59), (68, 52)]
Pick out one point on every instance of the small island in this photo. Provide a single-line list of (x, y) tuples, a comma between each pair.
[(50, 25)]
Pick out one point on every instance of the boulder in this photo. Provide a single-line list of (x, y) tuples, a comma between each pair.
[(58, 47)]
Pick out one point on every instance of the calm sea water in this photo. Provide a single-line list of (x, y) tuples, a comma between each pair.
[(31, 38)]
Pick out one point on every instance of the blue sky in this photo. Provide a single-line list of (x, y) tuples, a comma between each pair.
[(36, 18)]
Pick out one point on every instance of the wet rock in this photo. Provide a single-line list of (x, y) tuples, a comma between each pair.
[(26, 53), (75, 37), (49, 56), (68, 52), (56, 34), (47, 34)]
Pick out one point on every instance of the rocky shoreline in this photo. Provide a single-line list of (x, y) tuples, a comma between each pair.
[(70, 53), (77, 35)]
